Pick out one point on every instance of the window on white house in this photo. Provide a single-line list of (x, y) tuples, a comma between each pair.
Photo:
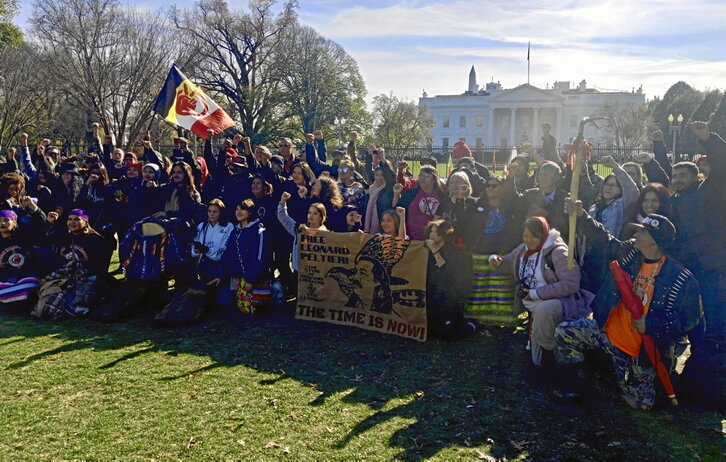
[(446, 122), (462, 121)]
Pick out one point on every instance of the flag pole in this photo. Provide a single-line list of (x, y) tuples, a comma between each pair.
[(528, 47)]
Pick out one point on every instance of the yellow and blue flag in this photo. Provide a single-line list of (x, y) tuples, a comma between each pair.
[(186, 105)]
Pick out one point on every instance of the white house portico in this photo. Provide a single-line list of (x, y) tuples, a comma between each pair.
[(492, 116)]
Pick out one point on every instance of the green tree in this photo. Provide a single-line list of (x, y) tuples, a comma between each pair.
[(9, 33), (400, 124), (324, 82)]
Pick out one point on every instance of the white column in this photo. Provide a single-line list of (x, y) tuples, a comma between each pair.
[(490, 129), (512, 131), (535, 126), (559, 130)]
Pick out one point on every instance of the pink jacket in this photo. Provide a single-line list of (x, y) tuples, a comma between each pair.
[(561, 282)]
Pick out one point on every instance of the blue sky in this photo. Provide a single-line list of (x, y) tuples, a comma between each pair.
[(410, 45)]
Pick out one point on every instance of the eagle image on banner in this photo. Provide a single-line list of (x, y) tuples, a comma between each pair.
[(186, 105), (372, 282)]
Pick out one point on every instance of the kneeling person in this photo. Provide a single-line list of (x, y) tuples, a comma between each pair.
[(669, 293)]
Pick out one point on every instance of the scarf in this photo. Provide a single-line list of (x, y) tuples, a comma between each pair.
[(543, 239), (372, 224)]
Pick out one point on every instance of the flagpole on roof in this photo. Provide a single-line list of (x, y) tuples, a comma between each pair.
[(528, 46)]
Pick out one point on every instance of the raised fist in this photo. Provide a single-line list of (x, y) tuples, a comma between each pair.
[(302, 191), (608, 161), (52, 217), (402, 165), (24, 139), (28, 203), (92, 178), (210, 132), (94, 127), (309, 137), (318, 134), (397, 188), (45, 142), (401, 212), (353, 136), (237, 139), (11, 153), (285, 196)]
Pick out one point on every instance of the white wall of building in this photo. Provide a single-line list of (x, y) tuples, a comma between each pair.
[(526, 107)]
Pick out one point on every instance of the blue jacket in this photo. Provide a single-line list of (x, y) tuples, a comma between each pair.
[(674, 308), (247, 254)]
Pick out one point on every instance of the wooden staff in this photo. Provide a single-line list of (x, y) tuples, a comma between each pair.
[(577, 160)]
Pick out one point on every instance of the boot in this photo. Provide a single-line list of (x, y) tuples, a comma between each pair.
[(567, 384)]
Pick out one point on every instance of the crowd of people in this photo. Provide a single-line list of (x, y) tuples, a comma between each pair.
[(223, 226)]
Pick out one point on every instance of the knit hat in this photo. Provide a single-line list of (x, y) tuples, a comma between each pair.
[(460, 150), (155, 167), (660, 228), (135, 165), (278, 159)]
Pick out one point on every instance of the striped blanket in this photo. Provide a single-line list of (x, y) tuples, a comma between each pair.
[(492, 294), (14, 291)]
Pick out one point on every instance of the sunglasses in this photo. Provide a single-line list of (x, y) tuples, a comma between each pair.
[(493, 185), (343, 169), (285, 146)]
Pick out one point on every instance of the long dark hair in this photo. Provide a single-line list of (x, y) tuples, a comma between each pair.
[(307, 172), (663, 196), (188, 183), (329, 192)]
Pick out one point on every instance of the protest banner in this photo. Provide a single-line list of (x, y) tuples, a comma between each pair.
[(355, 279)]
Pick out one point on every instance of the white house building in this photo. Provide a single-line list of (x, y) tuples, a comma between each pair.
[(492, 116)]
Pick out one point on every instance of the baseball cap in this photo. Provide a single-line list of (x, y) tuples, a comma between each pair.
[(660, 228)]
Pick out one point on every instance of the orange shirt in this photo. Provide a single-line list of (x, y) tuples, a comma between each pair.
[(619, 329)]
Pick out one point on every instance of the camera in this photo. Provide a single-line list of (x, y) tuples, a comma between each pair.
[(522, 289), (200, 248)]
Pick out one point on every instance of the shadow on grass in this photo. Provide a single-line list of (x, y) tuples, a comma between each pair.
[(466, 394)]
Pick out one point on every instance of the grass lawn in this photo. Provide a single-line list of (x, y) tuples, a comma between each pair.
[(269, 387)]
